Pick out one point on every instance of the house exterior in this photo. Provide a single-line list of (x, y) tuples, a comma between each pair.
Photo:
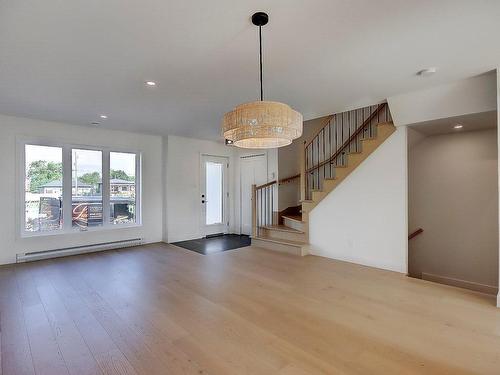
[(55, 188), (118, 187), (121, 187)]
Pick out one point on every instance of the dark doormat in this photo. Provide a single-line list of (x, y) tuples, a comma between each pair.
[(215, 244)]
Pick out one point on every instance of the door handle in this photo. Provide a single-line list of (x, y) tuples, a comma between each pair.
[(203, 201)]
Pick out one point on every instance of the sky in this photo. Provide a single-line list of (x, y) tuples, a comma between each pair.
[(88, 160)]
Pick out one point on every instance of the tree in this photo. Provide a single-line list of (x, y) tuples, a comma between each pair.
[(120, 175), (41, 172), (92, 179)]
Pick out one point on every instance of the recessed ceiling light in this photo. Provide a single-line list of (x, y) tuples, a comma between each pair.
[(150, 83), (458, 126), (427, 72), (95, 123), (104, 116)]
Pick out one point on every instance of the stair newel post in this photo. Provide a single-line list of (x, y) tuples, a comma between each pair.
[(254, 211)]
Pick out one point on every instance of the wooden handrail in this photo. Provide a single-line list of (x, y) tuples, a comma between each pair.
[(265, 185), (288, 179), (415, 234), (349, 140), (283, 180)]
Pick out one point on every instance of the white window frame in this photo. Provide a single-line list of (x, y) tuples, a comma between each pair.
[(67, 225)]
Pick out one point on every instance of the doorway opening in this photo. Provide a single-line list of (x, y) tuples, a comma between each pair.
[(453, 201)]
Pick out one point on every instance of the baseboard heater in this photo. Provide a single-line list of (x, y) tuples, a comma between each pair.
[(56, 253)]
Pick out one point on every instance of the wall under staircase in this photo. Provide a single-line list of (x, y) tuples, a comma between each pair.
[(364, 220)]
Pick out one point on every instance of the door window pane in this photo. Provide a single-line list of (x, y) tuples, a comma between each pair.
[(122, 186), (214, 181), (86, 188), (43, 188)]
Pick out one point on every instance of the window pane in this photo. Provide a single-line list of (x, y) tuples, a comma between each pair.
[(214, 193), (86, 188), (122, 186), (43, 188)]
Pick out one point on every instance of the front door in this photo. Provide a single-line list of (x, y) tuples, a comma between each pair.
[(214, 195)]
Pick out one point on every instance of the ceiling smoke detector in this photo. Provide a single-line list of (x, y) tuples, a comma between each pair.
[(427, 72)]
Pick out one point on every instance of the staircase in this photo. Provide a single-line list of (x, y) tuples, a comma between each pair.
[(329, 157)]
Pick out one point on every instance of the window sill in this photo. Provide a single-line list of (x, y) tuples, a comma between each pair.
[(107, 228)]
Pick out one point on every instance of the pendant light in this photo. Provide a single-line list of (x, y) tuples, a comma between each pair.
[(262, 124)]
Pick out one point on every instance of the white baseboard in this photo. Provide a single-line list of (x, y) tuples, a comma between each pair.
[(483, 288)]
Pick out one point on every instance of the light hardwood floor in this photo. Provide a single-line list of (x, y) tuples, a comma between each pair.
[(158, 309)]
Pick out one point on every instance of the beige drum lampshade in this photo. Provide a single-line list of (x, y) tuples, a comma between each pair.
[(262, 124)]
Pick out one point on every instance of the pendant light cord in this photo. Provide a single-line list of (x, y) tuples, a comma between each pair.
[(260, 56)]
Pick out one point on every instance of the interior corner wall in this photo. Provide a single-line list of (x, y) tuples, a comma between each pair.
[(498, 147), (14, 128), (164, 155), (364, 220)]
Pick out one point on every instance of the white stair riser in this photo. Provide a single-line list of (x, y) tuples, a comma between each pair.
[(294, 224), (282, 235), (283, 248)]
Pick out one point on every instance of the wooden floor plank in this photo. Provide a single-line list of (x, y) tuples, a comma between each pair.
[(16, 352), (158, 309), (74, 350)]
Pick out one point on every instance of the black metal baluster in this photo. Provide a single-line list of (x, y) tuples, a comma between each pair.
[(323, 153), (330, 146)]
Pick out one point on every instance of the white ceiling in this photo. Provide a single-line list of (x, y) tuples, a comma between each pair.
[(72, 60)]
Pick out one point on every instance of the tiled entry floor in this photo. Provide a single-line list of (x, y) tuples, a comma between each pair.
[(215, 244)]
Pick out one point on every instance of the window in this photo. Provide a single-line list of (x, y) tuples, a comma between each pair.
[(72, 188), (86, 188), (42, 188), (214, 190), (122, 184)]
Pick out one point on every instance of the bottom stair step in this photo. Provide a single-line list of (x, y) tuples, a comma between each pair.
[(284, 246), (282, 233)]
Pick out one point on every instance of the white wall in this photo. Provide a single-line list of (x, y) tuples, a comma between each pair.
[(183, 186), (473, 95), (364, 220), (498, 148), (13, 128)]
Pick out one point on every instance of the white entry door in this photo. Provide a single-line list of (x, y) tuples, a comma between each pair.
[(214, 195), (253, 172)]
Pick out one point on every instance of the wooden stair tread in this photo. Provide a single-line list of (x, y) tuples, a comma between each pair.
[(282, 228), (282, 241), (297, 218)]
